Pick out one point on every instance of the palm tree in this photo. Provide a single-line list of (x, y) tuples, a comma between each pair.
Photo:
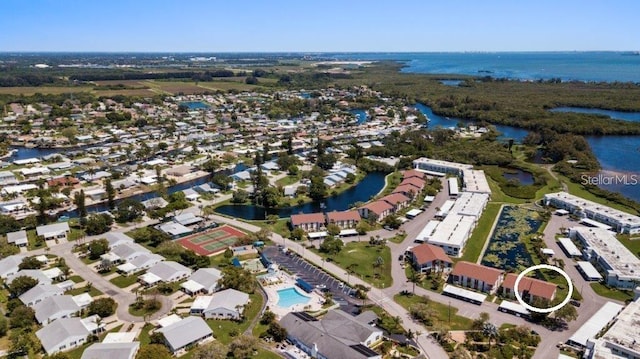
[(414, 277), (377, 265), (351, 270), (490, 331)]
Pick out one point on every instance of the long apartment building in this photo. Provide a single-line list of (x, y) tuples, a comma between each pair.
[(621, 221), (460, 216), (619, 266)]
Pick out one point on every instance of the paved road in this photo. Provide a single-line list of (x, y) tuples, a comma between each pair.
[(120, 295)]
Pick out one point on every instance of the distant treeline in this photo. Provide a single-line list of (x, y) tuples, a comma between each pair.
[(195, 75), (27, 80)]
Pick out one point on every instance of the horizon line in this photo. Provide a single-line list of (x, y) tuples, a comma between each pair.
[(294, 52)]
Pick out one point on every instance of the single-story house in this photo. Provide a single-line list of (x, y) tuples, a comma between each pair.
[(476, 276), (344, 219), (189, 331), (58, 230), (174, 229), (128, 251), (204, 280), (139, 263), (39, 293), (310, 222), (166, 272), (187, 219), (55, 307), (190, 194), (427, 257), (9, 265), (336, 335), (111, 351), (19, 238), (155, 203), (117, 238), (226, 304), (36, 274), (68, 333)]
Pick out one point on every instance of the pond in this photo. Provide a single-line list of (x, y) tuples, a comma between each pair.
[(616, 115), (195, 105), (361, 115), (370, 185), (506, 250), (524, 178)]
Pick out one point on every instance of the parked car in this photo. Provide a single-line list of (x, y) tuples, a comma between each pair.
[(575, 303)]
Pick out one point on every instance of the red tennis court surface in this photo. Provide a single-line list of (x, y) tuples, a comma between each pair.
[(212, 241)]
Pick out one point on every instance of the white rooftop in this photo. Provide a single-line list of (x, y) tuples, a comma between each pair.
[(120, 337), (586, 205), (461, 292), (168, 320), (623, 336), (595, 324), (623, 263), (568, 246)]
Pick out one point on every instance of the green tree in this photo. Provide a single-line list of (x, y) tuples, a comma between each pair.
[(129, 210), (22, 317), (153, 351), (4, 325), (79, 201), (98, 248), (267, 317), (271, 197), (98, 224), (239, 196), (8, 224), (211, 350), (331, 246), (333, 230), (21, 284), (238, 279), (317, 189), (30, 263), (297, 234), (243, 346), (157, 338), (103, 307), (277, 332), (111, 194)]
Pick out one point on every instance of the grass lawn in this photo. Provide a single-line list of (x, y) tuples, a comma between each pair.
[(93, 292), (123, 282), (143, 337), (288, 180), (143, 311), (498, 196), (265, 354), (222, 329), (76, 279), (607, 292), (76, 234), (441, 310), (361, 256), (398, 238), (480, 235)]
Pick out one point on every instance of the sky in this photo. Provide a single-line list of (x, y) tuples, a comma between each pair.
[(318, 26)]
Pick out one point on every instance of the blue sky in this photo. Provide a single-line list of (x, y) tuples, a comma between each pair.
[(314, 26)]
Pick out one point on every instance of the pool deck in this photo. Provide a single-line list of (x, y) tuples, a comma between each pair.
[(286, 281)]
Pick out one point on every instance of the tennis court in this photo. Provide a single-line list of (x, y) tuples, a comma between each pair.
[(212, 241)]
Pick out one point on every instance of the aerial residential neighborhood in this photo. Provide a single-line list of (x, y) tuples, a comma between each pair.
[(303, 208)]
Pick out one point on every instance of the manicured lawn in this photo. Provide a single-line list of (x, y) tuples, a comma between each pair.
[(222, 329), (76, 234), (288, 180), (473, 248), (143, 311), (612, 293), (123, 282), (93, 292), (398, 238), (143, 337), (76, 279), (265, 354), (361, 256), (441, 310)]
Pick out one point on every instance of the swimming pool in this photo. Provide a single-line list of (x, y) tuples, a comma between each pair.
[(290, 296)]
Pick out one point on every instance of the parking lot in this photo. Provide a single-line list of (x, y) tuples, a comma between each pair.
[(314, 276)]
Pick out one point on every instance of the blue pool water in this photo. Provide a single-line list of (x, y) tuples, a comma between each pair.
[(195, 105), (290, 296)]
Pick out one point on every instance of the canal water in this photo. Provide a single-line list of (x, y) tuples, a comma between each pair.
[(370, 185)]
